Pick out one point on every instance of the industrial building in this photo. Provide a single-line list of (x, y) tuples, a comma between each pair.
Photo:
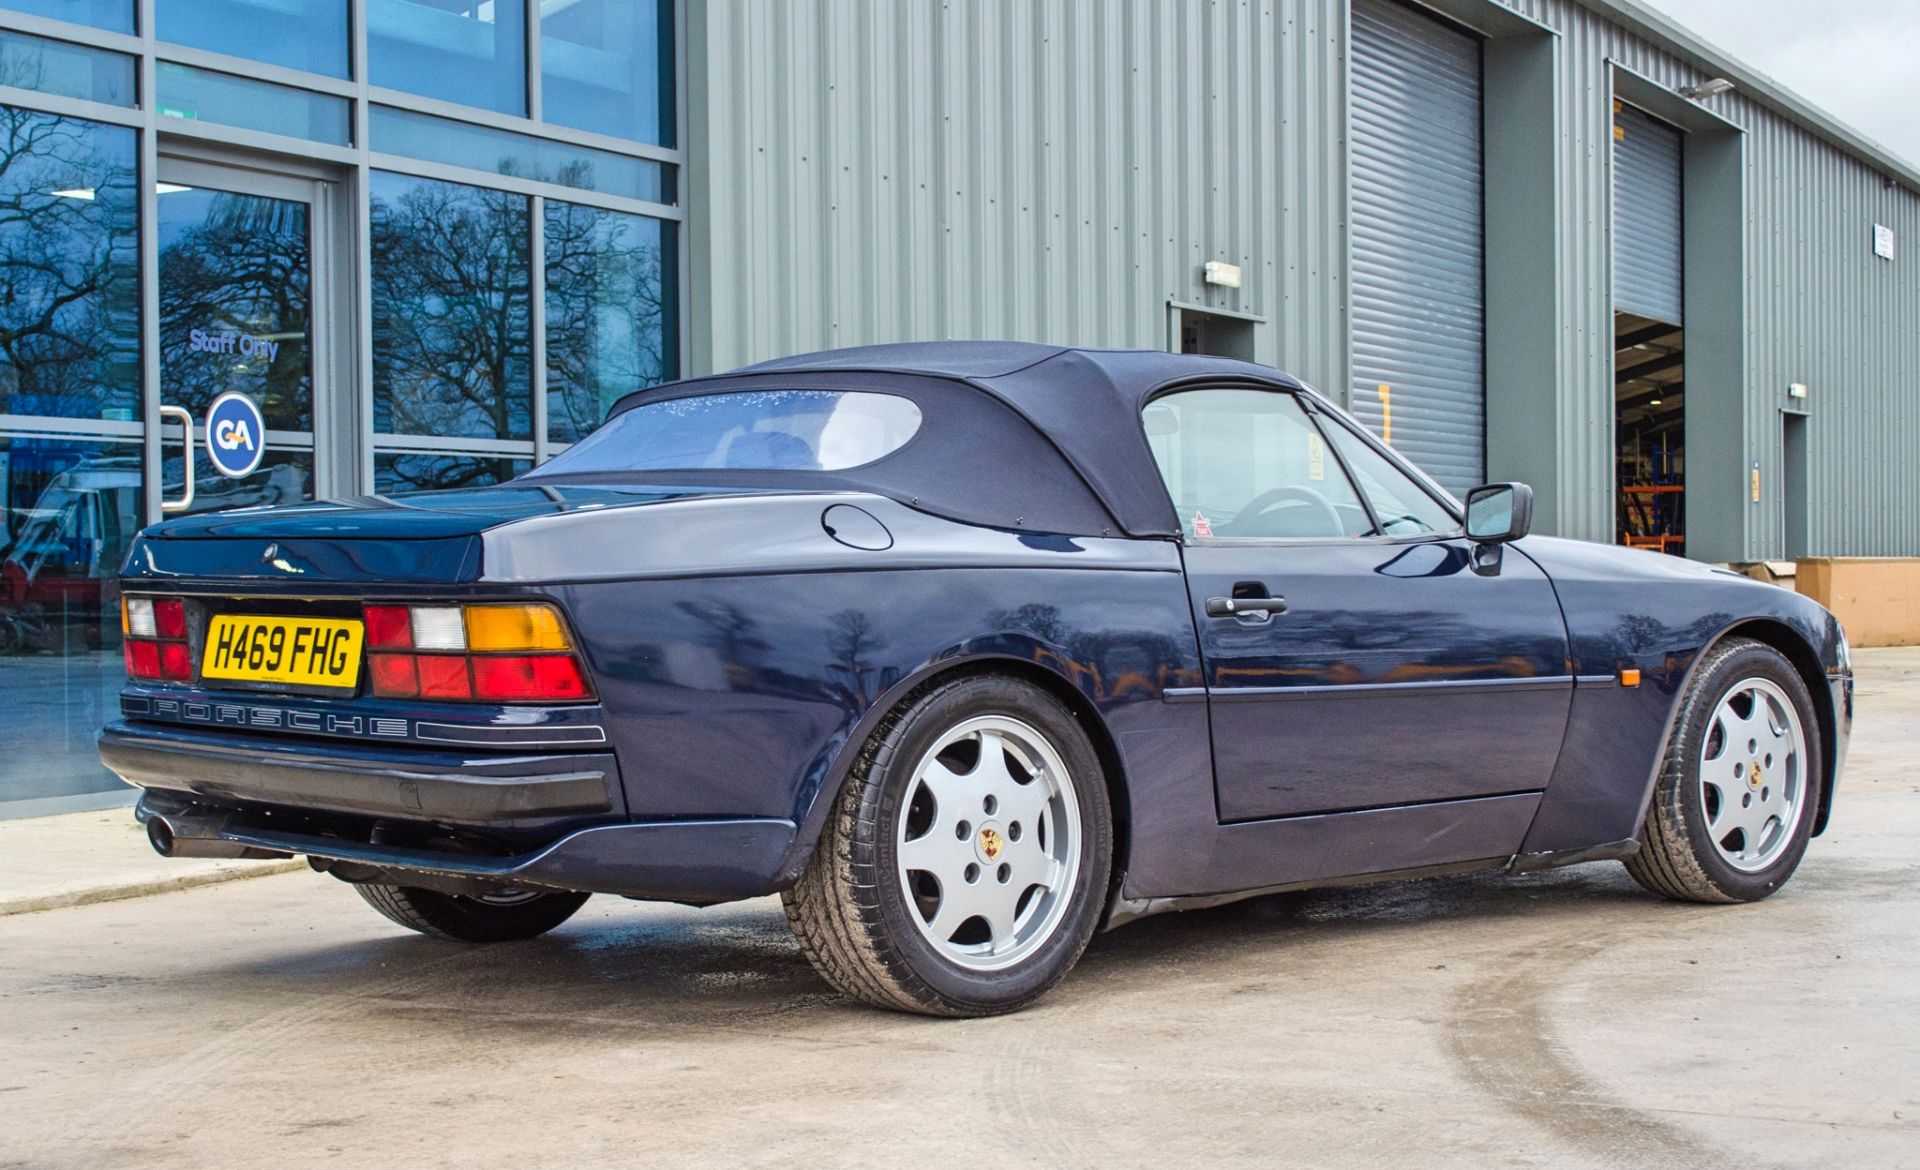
[(1559, 241)]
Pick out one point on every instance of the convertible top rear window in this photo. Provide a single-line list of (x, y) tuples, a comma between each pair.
[(747, 430), (936, 444)]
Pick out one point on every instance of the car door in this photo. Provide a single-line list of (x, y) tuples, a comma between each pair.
[(1354, 655)]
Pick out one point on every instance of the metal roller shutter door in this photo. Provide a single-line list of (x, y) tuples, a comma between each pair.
[(1646, 216), (1419, 323)]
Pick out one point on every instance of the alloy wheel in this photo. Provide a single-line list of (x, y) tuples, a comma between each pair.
[(989, 842), (1753, 774)]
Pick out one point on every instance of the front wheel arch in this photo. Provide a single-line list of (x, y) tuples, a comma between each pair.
[(1800, 655), (1683, 853), (1795, 649)]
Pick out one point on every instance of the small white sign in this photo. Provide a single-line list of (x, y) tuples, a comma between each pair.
[(1883, 241)]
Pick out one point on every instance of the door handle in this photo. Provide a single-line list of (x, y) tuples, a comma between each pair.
[(1245, 606), (186, 459)]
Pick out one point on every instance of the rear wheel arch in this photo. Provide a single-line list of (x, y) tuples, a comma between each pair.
[(1113, 772)]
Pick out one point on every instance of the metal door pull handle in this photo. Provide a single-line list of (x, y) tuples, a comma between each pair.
[(186, 460), (1242, 606)]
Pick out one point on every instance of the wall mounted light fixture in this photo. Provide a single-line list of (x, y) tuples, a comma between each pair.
[(1706, 89)]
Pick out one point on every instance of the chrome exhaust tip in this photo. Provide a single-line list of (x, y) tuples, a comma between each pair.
[(160, 836), (177, 835)]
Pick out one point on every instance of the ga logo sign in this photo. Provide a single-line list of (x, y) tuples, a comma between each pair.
[(236, 435)]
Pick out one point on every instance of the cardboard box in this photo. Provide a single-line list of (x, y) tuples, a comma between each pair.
[(1781, 573), (1876, 598)]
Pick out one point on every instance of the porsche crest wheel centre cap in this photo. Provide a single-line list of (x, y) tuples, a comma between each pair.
[(990, 843)]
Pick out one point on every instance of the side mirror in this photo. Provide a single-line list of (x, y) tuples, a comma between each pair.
[(1499, 512)]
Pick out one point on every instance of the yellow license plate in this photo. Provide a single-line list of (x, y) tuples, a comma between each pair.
[(308, 652)]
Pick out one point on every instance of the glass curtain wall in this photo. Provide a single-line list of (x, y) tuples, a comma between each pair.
[(70, 448), (112, 15), (602, 67), (470, 52), (521, 272), (299, 34)]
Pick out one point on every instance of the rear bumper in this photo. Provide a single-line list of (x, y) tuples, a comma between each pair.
[(701, 862), (493, 791), (461, 822)]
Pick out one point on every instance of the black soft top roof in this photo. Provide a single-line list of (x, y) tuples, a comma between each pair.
[(1085, 402)]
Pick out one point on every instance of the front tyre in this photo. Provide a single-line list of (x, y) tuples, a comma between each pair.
[(507, 916), (963, 867), (1733, 808)]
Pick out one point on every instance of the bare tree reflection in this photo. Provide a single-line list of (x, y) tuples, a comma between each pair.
[(852, 645), (730, 630), (411, 472), (608, 325), (69, 291), (1036, 618), (451, 291)]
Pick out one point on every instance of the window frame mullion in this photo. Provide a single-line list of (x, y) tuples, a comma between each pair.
[(537, 320)]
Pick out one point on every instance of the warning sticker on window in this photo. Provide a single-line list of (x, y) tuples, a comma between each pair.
[(1316, 457), (1201, 526)]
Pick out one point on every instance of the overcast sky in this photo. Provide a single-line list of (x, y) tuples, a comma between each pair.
[(1855, 59)]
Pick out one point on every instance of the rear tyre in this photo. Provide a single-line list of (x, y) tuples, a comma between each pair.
[(963, 867), (1733, 808), (508, 916)]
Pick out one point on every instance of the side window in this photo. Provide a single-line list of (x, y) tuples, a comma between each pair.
[(1250, 465), (1404, 508)]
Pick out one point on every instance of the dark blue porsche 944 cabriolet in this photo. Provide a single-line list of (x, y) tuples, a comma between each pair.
[(966, 650)]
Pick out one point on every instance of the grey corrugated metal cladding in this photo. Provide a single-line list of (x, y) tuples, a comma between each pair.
[(1061, 170)]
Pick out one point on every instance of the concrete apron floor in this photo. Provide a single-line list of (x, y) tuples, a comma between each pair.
[(1565, 1019)]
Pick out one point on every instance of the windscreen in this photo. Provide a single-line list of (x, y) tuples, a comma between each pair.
[(749, 430)]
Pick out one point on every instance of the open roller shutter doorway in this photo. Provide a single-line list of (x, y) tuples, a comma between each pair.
[(1650, 343)]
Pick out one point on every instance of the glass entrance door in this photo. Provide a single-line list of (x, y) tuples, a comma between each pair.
[(239, 308)]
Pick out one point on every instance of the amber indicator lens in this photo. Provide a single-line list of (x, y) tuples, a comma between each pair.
[(515, 627)]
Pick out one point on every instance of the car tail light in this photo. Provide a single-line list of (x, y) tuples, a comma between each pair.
[(516, 677), (156, 639), (487, 653), (389, 627), (444, 676)]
